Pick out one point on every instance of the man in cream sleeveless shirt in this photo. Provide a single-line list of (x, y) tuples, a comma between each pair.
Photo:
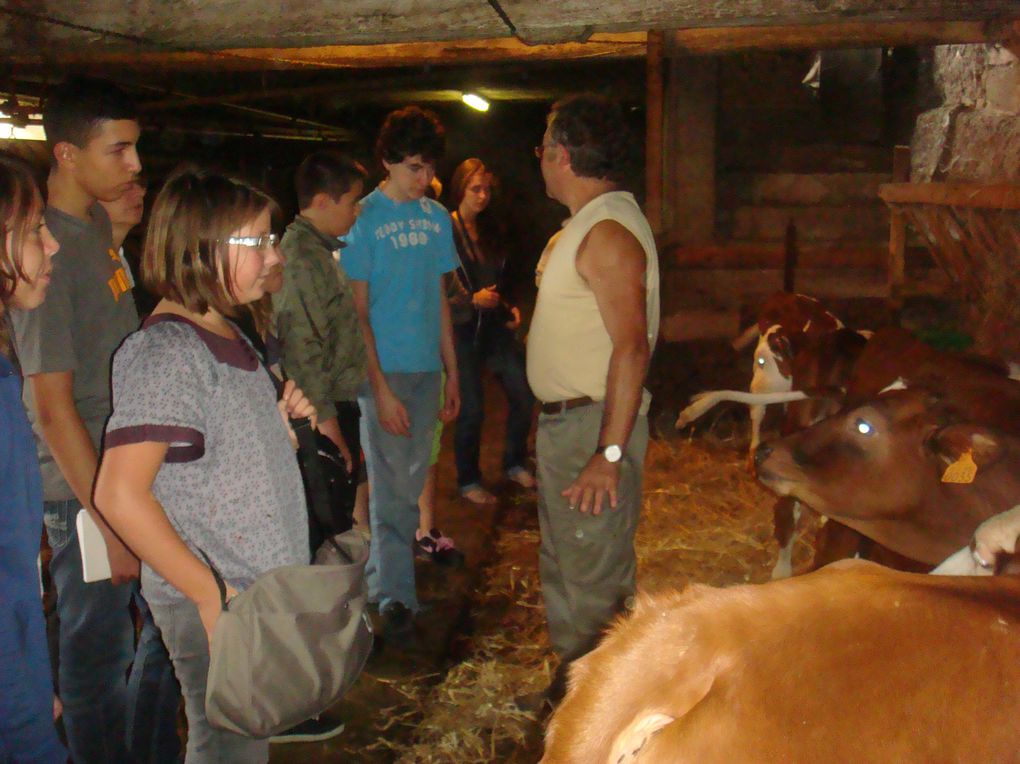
[(594, 329)]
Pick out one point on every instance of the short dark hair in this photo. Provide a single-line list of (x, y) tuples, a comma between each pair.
[(409, 131), (593, 130), (75, 108), (326, 172)]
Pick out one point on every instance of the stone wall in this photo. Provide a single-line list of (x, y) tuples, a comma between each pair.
[(973, 136)]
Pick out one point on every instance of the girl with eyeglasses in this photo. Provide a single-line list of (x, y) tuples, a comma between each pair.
[(27, 704), (199, 455)]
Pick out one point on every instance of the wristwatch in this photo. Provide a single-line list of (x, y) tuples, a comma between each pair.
[(613, 453)]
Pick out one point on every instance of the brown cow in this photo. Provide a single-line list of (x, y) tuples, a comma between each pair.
[(877, 469), (855, 662), (969, 388), (794, 313)]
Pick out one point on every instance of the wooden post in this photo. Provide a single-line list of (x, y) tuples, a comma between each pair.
[(690, 100), (898, 233), (653, 132)]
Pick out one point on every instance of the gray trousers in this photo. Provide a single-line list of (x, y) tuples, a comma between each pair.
[(189, 650), (586, 562), (397, 467)]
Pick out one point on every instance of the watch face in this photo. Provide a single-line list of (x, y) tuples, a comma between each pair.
[(613, 453)]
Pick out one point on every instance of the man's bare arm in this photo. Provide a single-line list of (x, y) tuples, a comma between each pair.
[(613, 263), (68, 440)]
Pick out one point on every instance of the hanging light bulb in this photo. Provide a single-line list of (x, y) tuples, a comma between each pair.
[(475, 101)]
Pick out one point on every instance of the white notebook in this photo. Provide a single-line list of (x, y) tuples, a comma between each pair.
[(95, 564)]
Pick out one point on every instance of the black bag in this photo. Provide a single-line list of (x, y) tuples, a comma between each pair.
[(330, 490)]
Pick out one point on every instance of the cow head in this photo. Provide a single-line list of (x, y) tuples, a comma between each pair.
[(773, 361), (881, 464), (867, 444)]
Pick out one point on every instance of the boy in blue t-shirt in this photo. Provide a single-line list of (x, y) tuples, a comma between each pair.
[(396, 255)]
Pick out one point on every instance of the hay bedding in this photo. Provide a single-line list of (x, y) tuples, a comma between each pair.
[(705, 520)]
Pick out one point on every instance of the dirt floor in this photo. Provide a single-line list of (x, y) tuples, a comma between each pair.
[(483, 642)]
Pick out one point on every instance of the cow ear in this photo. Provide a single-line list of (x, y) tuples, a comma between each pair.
[(953, 442)]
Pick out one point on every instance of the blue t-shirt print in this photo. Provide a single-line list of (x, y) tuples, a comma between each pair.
[(402, 249)]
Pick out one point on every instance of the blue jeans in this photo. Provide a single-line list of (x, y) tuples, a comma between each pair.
[(396, 475), (189, 647), (504, 358), (96, 648), (153, 697)]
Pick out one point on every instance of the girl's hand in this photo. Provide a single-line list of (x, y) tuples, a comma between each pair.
[(514, 322), (486, 298), (294, 405), (209, 611), (451, 400)]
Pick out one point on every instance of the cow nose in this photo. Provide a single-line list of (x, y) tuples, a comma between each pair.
[(761, 454)]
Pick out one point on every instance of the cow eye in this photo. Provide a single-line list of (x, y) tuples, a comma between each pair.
[(864, 427), (761, 360)]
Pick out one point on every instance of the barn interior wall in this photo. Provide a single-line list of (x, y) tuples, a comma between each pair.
[(787, 154)]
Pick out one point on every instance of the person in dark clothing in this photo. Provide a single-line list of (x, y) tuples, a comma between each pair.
[(484, 325)]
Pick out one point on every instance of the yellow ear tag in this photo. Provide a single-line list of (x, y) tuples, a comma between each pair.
[(963, 470)]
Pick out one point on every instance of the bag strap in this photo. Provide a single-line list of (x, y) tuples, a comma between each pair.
[(318, 497), (219, 579), (462, 272)]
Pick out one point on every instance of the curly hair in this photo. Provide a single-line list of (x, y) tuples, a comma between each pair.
[(410, 131), (594, 132)]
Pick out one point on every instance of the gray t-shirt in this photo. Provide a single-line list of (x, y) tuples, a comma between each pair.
[(230, 483), (88, 311)]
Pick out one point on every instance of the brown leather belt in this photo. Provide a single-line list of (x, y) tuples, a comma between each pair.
[(558, 407)]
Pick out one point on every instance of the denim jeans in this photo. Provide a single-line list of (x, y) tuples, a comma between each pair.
[(397, 467), (502, 355), (153, 697), (96, 647), (189, 649)]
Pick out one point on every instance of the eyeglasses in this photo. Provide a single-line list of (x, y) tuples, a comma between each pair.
[(540, 150), (258, 242)]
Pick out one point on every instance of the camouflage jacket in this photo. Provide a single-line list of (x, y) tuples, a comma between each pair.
[(322, 347)]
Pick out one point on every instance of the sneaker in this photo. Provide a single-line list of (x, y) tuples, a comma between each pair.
[(311, 731), (477, 495), (438, 548), (397, 622), (522, 477)]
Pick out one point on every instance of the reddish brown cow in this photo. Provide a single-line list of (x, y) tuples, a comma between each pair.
[(794, 313), (852, 663), (877, 469), (969, 388)]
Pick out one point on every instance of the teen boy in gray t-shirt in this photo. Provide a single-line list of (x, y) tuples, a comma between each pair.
[(65, 350)]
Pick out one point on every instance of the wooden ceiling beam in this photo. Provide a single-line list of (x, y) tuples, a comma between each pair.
[(692, 40), (459, 52), (847, 34)]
